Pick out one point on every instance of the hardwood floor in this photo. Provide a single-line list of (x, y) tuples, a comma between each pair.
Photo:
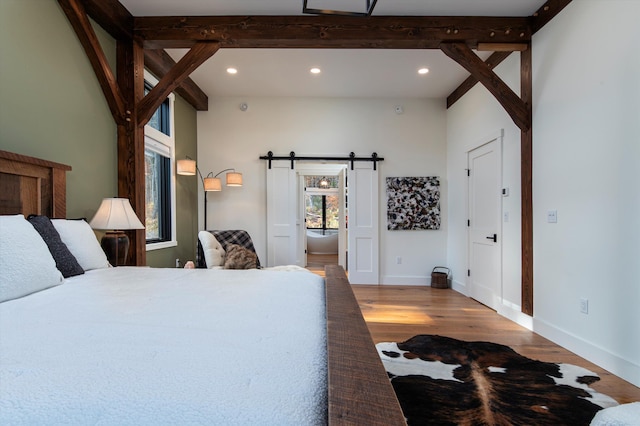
[(316, 262), (396, 313)]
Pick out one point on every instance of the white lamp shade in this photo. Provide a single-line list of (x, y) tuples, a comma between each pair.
[(234, 179), (186, 167), (212, 184), (115, 214)]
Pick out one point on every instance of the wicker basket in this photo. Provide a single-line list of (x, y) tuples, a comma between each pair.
[(440, 279)]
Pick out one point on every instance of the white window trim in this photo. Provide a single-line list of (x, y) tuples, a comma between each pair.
[(164, 144)]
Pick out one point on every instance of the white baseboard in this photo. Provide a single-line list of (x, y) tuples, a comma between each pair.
[(513, 312), (613, 363), (460, 287), (406, 280)]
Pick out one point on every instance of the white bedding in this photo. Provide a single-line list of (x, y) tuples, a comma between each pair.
[(140, 346)]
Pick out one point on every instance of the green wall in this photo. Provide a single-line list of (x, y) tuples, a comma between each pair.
[(52, 107)]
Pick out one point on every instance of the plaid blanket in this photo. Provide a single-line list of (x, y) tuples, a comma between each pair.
[(235, 236)]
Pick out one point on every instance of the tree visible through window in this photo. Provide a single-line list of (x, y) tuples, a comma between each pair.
[(158, 196), (322, 205)]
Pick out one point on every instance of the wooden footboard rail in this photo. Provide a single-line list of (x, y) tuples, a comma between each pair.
[(360, 392)]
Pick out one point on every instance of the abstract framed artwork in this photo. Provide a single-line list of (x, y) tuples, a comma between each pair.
[(413, 203)]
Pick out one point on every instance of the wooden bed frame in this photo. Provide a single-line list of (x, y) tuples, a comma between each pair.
[(359, 390)]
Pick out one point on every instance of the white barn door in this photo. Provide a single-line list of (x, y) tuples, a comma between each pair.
[(281, 214), (363, 223)]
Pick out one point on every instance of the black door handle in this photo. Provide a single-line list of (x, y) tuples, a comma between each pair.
[(494, 238)]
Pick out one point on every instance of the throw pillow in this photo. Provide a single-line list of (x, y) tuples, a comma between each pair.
[(26, 265), (239, 257), (212, 249), (82, 243), (65, 260)]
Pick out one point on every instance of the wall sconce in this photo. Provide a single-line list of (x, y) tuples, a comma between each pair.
[(115, 215), (210, 183)]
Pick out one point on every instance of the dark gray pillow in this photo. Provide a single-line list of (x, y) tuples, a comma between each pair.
[(65, 261)]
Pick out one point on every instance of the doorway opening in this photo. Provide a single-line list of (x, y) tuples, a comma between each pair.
[(322, 219), (322, 215)]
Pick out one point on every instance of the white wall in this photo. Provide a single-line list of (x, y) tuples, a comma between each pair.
[(474, 120), (586, 122), (412, 144)]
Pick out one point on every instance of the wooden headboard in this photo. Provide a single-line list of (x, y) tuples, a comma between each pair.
[(31, 185)]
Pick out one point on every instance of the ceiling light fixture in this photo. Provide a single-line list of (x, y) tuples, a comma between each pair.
[(319, 10), (423, 71), (315, 70), (232, 70)]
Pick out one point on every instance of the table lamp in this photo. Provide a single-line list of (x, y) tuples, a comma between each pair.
[(114, 216)]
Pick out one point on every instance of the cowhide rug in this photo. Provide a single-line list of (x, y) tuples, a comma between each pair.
[(444, 381)]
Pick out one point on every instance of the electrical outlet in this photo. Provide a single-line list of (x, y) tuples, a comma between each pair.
[(552, 216), (584, 306), (398, 260), (177, 263)]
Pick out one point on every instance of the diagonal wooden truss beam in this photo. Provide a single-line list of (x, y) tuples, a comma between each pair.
[(492, 61), (159, 63), (80, 22), (539, 19), (173, 78), (118, 22), (515, 107)]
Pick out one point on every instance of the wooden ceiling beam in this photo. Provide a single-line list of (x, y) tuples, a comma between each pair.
[(546, 13), (198, 54), (80, 22), (112, 16), (159, 63), (515, 107), (377, 32)]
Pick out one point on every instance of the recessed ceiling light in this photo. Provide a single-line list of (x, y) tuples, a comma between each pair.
[(423, 71), (315, 70), (232, 70)]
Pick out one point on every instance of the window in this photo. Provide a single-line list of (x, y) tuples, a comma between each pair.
[(159, 157), (322, 205)]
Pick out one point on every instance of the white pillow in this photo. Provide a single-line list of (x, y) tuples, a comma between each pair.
[(213, 251), (82, 243), (26, 265)]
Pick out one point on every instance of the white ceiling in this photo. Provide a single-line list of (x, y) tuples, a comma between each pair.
[(345, 72)]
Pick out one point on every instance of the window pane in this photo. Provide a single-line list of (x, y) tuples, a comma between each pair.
[(314, 213), (333, 212), (313, 208), (160, 119), (323, 182), (153, 194)]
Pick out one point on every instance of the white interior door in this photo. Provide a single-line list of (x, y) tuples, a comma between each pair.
[(342, 226), (281, 214), (301, 224), (485, 284), (363, 224)]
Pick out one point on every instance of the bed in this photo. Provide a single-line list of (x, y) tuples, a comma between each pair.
[(136, 345)]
